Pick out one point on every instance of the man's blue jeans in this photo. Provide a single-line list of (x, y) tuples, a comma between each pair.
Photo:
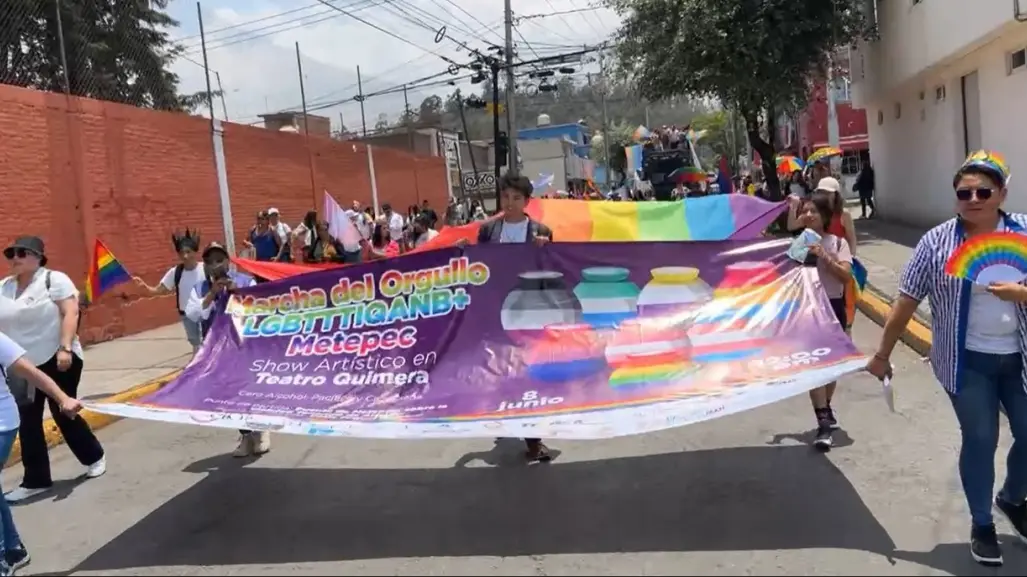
[(9, 539), (990, 381)]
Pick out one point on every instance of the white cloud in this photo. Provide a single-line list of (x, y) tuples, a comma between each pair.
[(256, 57)]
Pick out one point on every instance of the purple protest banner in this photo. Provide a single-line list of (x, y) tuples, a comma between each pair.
[(569, 340)]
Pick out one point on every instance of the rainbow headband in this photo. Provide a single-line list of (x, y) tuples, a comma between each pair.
[(990, 161)]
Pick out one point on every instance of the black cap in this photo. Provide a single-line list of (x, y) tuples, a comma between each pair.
[(213, 247), (32, 244)]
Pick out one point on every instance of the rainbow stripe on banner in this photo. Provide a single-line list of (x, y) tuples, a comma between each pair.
[(105, 272), (717, 217)]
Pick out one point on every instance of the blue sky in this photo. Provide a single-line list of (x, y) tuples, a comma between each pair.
[(251, 44)]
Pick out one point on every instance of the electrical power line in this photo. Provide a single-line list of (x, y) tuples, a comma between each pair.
[(387, 32), (246, 23), (275, 28), (557, 13)]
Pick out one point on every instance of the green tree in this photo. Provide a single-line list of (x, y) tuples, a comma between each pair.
[(429, 114), (720, 138), (116, 51), (757, 56)]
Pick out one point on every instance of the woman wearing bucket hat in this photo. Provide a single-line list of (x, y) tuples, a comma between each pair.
[(980, 339), (44, 322)]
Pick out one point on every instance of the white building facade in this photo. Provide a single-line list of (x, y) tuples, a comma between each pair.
[(944, 77)]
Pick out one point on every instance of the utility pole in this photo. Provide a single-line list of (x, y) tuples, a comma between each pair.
[(407, 118), (833, 137), (494, 65), (206, 67), (306, 125), (221, 90), (342, 127), (606, 132), (511, 87), (360, 99), (470, 150)]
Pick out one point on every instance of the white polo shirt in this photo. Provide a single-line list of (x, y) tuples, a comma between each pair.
[(36, 323)]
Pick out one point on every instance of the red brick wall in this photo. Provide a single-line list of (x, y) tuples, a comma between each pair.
[(72, 170)]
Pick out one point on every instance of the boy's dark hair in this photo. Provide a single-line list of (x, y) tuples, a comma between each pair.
[(517, 182), (824, 202), (994, 176)]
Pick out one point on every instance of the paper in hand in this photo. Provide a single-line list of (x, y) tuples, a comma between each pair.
[(799, 249), (889, 393)]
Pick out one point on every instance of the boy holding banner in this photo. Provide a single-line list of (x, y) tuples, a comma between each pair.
[(210, 295), (517, 227)]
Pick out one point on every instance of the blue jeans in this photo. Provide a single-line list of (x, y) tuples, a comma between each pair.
[(991, 381), (9, 539)]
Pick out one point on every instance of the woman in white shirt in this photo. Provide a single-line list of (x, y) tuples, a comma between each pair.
[(41, 314), (14, 365)]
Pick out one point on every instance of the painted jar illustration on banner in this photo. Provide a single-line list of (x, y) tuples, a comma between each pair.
[(540, 299), (607, 296), (673, 290), (650, 352), (741, 320), (565, 353)]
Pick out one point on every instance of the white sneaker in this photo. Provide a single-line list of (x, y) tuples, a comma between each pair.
[(97, 469), (20, 494), (261, 442), (245, 448)]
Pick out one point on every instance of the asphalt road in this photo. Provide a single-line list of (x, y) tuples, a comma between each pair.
[(740, 495)]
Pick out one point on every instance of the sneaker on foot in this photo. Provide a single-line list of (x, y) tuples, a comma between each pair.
[(17, 558), (97, 469), (831, 419), (984, 546), (261, 442), (1016, 514), (823, 440), (20, 494), (245, 448)]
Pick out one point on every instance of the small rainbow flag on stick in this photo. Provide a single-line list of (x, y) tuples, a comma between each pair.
[(105, 272)]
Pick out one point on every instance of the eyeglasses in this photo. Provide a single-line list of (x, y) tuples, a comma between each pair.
[(965, 194), (12, 252)]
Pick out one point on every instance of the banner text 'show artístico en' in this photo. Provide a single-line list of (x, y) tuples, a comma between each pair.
[(569, 340)]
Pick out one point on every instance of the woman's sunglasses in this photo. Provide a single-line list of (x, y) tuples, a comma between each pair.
[(12, 252), (966, 194)]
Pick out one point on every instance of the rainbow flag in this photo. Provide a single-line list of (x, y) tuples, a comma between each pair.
[(688, 174), (716, 217), (854, 289), (105, 272)]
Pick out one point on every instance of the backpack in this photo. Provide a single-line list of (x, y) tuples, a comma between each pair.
[(179, 270)]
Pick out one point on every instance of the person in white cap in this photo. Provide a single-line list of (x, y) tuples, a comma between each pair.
[(841, 224), (284, 235)]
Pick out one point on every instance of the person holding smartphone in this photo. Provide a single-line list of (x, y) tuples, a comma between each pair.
[(209, 296)]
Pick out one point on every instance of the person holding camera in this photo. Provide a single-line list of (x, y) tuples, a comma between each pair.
[(211, 295)]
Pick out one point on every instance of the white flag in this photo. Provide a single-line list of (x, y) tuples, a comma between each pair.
[(340, 225)]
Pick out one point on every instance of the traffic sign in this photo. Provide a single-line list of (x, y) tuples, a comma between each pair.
[(483, 181)]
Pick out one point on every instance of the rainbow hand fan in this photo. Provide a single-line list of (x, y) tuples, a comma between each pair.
[(989, 258)]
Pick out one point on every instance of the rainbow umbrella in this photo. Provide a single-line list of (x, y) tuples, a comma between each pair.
[(687, 174), (788, 164), (823, 154)]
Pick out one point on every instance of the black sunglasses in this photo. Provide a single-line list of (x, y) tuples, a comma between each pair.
[(966, 194), (11, 252)]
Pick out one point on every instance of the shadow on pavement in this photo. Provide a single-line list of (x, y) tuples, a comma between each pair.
[(752, 498), (873, 231), (954, 558)]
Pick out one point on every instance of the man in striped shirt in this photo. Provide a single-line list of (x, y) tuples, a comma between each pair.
[(979, 334)]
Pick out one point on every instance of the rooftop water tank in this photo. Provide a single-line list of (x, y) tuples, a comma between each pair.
[(543, 120)]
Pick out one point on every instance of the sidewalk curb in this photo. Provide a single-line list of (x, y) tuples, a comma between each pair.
[(96, 421), (917, 335)]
